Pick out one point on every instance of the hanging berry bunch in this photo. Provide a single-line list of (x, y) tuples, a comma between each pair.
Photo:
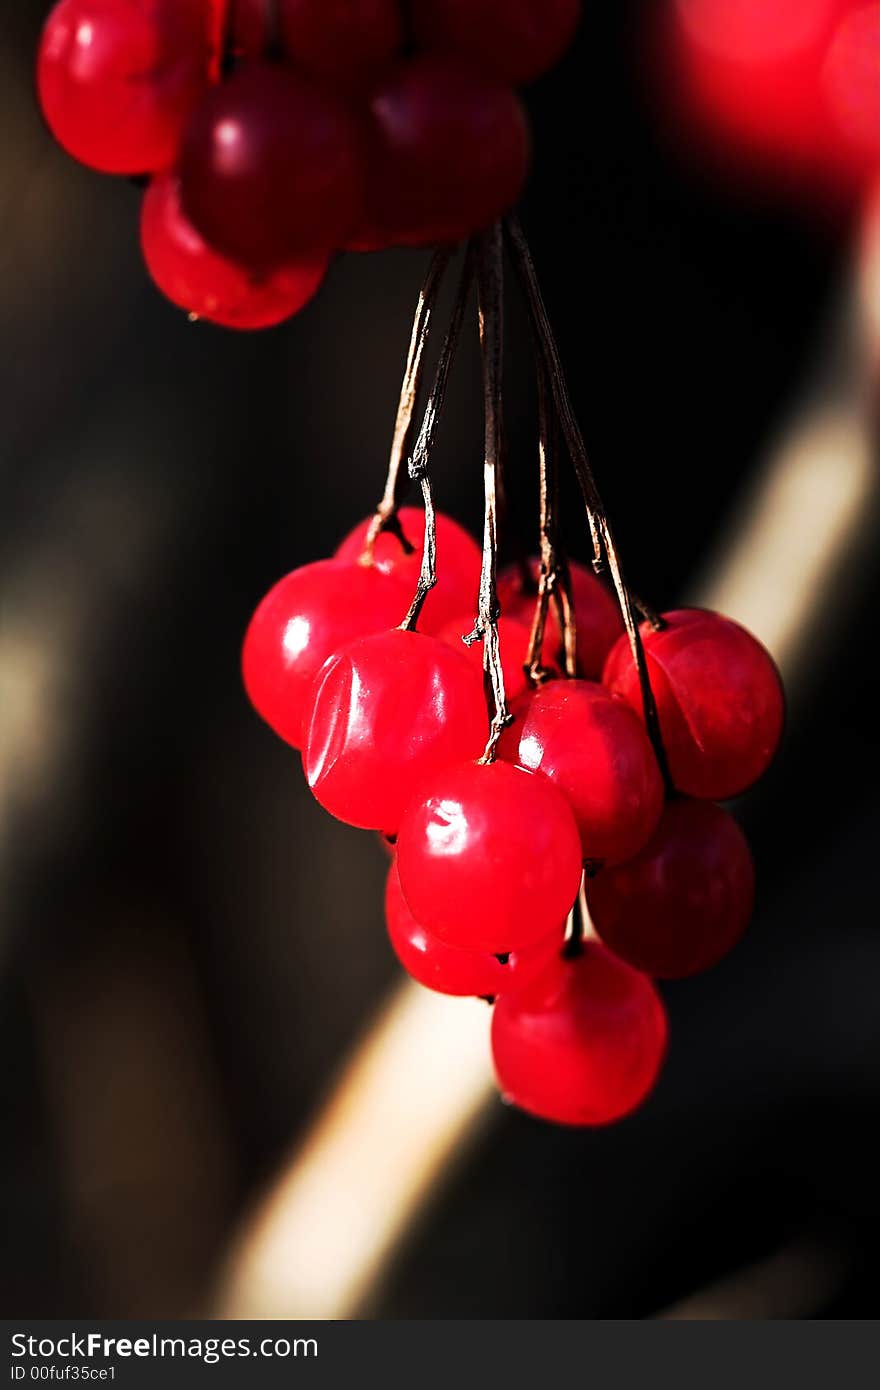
[(562, 850), (545, 767), (275, 133)]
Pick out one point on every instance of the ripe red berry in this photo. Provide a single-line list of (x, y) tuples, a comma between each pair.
[(449, 969), (449, 153), (271, 167), (583, 1042), (342, 42), (685, 900), (117, 79), (389, 710), (596, 752), (514, 40), (206, 284), (489, 857), (597, 615), (514, 639), (302, 621), (719, 698), (458, 564)]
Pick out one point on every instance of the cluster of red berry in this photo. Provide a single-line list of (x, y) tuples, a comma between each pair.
[(276, 132), (496, 861)]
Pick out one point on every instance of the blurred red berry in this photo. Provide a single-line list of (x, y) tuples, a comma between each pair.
[(513, 40), (271, 167)]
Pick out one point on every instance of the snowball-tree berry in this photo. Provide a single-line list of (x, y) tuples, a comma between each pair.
[(449, 152), (304, 619), (206, 284), (345, 42), (595, 750), (583, 1042), (514, 639), (458, 563), (489, 856), (117, 79), (514, 40), (449, 969), (388, 711), (597, 616), (681, 904), (719, 698), (790, 86), (271, 167)]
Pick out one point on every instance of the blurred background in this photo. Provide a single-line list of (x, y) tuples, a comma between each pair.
[(189, 946)]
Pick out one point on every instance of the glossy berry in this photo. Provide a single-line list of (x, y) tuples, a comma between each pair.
[(449, 969), (685, 901), (302, 621), (514, 640), (458, 564), (595, 750), (449, 152), (583, 1042), (271, 167), (514, 40), (489, 857), (342, 42), (117, 79), (206, 284), (389, 711), (597, 616), (719, 698)]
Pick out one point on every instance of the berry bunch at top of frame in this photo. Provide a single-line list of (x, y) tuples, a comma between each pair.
[(559, 850), (277, 132)]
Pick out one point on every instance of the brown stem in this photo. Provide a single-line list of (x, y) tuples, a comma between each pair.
[(554, 581), (421, 455), (604, 547), (385, 518), (491, 316)]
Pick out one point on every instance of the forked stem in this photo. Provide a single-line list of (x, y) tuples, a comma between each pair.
[(385, 517), (421, 456), (604, 547), (554, 580), (490, 277)]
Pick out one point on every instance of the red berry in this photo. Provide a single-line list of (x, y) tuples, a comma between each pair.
[(791, 85), (207, 285), (597, 615), (449, 154), (583, 1042), (343, 42), (685, 901), (449, 969), (302, 621), (117, 79), (389, 711), (489, 857), (596, 752), (514, 638), (514, 40), (458, 564), (271, 167), (719, 698)]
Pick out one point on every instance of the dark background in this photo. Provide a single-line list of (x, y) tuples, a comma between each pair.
[(188, 943)]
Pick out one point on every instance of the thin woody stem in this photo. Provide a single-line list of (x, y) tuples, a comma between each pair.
[(554, 581), (491, 316), (421, 455), (385, 518), (604, 547)]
